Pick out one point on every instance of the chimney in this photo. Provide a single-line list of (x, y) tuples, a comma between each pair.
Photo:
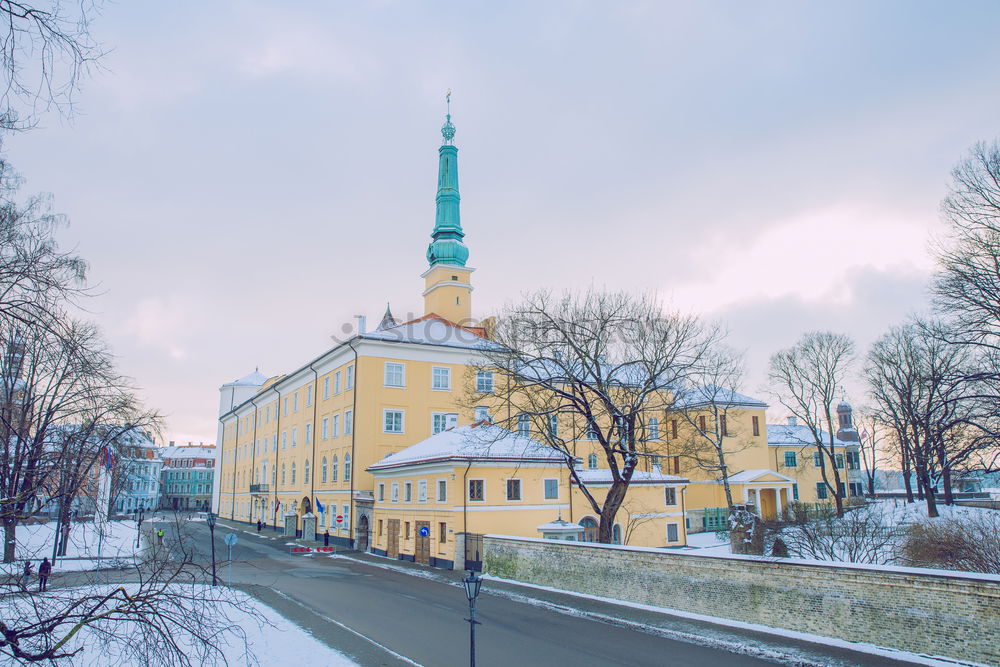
[(792, 421), (171, 443), (362, 323)]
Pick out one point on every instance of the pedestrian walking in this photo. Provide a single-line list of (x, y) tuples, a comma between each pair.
[(26, 575), (44, 570), (326, 538), (159, 536), (259, 526)]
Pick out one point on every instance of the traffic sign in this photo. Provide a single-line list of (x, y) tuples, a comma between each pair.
[(425, 531), (340, 518), (231, 539), (301, 550), (324, 549)]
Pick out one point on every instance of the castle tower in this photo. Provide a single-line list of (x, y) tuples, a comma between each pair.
[(845, 423), (447, 286)]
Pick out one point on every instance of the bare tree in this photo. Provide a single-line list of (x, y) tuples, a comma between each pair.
[(915, 378), (866, 535), (707, 408), (592, 370), (871, 444), (807, 378)]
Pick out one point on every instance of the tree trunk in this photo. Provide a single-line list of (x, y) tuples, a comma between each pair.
[(612, 503), (725, 478), (949, 498), (924, 482), (906, 475), (9, 539)]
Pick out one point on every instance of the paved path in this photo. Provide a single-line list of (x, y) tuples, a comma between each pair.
[(380, 613)]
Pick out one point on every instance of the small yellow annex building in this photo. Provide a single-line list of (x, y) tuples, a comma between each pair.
[(377, 430)]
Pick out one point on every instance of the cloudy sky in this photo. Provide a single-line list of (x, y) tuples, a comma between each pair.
[(246, 177)]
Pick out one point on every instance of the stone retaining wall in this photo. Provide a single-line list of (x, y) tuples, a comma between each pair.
[(924, 611)]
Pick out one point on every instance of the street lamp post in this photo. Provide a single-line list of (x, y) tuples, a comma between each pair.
[(138, 528), (472, 584), (211, 528)]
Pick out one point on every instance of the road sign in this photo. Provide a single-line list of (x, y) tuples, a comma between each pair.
[(324, 549), (301, 550), (231, 539), (425, 531), (340, 518)]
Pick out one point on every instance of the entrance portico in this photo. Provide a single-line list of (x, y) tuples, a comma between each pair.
[(770, 492)]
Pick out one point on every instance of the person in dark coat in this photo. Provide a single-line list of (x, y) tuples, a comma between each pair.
[(326, 538), (44, 570), (259, 525), (26, 576)]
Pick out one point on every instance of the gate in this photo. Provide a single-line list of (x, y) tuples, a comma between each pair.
[(474, 552), (392, 550), (422, 553)]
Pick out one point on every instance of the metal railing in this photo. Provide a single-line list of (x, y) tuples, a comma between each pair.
[(260, 488)]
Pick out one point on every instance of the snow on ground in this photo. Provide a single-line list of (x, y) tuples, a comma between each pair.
[(35, 541), (271, 639), (709, 542)]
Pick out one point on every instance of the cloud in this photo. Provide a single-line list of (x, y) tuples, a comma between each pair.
[(164, 323)]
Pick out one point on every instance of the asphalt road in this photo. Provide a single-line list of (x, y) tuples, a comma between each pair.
[(382, 616)]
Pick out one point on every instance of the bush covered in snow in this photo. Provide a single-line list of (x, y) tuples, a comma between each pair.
[(971, 543)]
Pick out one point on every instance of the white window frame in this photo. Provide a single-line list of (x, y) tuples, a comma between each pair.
[(439, 372), (482, 413), (309, 395), (394, 366), (677, 531), (468, 489), (407, 492), (326, 387), (335, 427), (402, 420), (381, 492), (326, 428), (442, 484), (348, 421), (520, 489), (484, 382), (349, 384), (670, 493), (545, 494), (394, 497), (336, 383), (422, 491)]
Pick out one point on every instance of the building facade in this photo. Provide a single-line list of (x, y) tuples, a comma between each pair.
[(136, 477), (187, 477)]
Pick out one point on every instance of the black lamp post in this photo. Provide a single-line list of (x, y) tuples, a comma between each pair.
[(211, 528), (472, 584), (138, 527)]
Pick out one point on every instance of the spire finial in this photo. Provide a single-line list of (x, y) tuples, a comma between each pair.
[(448, 130)]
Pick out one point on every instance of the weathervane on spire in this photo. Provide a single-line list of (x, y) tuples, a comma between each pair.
[(448, 130)]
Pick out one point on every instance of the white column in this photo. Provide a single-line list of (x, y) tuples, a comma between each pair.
[(777, 502)]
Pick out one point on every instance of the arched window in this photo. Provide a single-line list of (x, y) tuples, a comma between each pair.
[(616, 533), (333, 473), (293, 473), (305, 472), (282, 474), (347, 467), (592, 461), (654, 429), (324, 470), (263, 472), (589, 529)]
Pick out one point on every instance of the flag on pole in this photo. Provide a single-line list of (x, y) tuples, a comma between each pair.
[(864, 434), (109, 457), (277, 505), (319, 506)]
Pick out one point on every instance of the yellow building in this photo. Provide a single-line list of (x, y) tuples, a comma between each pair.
[(341, 434)]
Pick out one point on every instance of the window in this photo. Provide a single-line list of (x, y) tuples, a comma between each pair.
[(673, 429), (442, 532), (441, 379), (286, 406), (284, 439), (422, 491), (842, 491), (326, 428), (672, 532), (336, 382), (482, 414), (350, 377), (554, 426), (484, 382), (654, 429), (295, 437), (346, 511), (790, 461), (267, 415), (406, 530), (348, 421), (442, 491), (381, 492), (551, 489), (839, 459), (513, 489), (407, 492), (333, 471), (524, 425), (394, 374), (295, 402), (591, 432), (723, 427), (347, 467), (817, 460), (309, 434), (670, 496), (756, 426), (305, 472), (795, 491), (324, 470), (380, 527), (853, 461), (821, 490), (395, 492), (476, 490), (326, 387), (592, 461), (309, 395), (701, 423), (335, 427), (441, 421), (392, 421), (293, 473)]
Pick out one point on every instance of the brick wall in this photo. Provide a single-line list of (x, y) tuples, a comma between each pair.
[(952, 615)]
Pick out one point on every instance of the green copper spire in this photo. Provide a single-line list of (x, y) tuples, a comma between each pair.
[(447, 246)]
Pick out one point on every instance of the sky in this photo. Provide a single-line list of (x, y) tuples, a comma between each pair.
[(247, 177)]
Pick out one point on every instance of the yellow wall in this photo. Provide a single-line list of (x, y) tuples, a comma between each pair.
[(448, 293)]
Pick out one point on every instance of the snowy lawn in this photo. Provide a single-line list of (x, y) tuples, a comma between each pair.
[(35, 541), (245, 630)]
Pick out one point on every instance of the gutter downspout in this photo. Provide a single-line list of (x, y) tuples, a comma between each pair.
[(277, 432), (236, 455), (253, 453), (312, 472), (354, 431), (465, 502)]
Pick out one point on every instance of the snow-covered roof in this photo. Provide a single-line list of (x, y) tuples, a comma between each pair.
[(430, 330), (708, 394), (787, 435), (747, 476), (603, 476), (562, 526), (189, 452), (254, 379), (485, 442)]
